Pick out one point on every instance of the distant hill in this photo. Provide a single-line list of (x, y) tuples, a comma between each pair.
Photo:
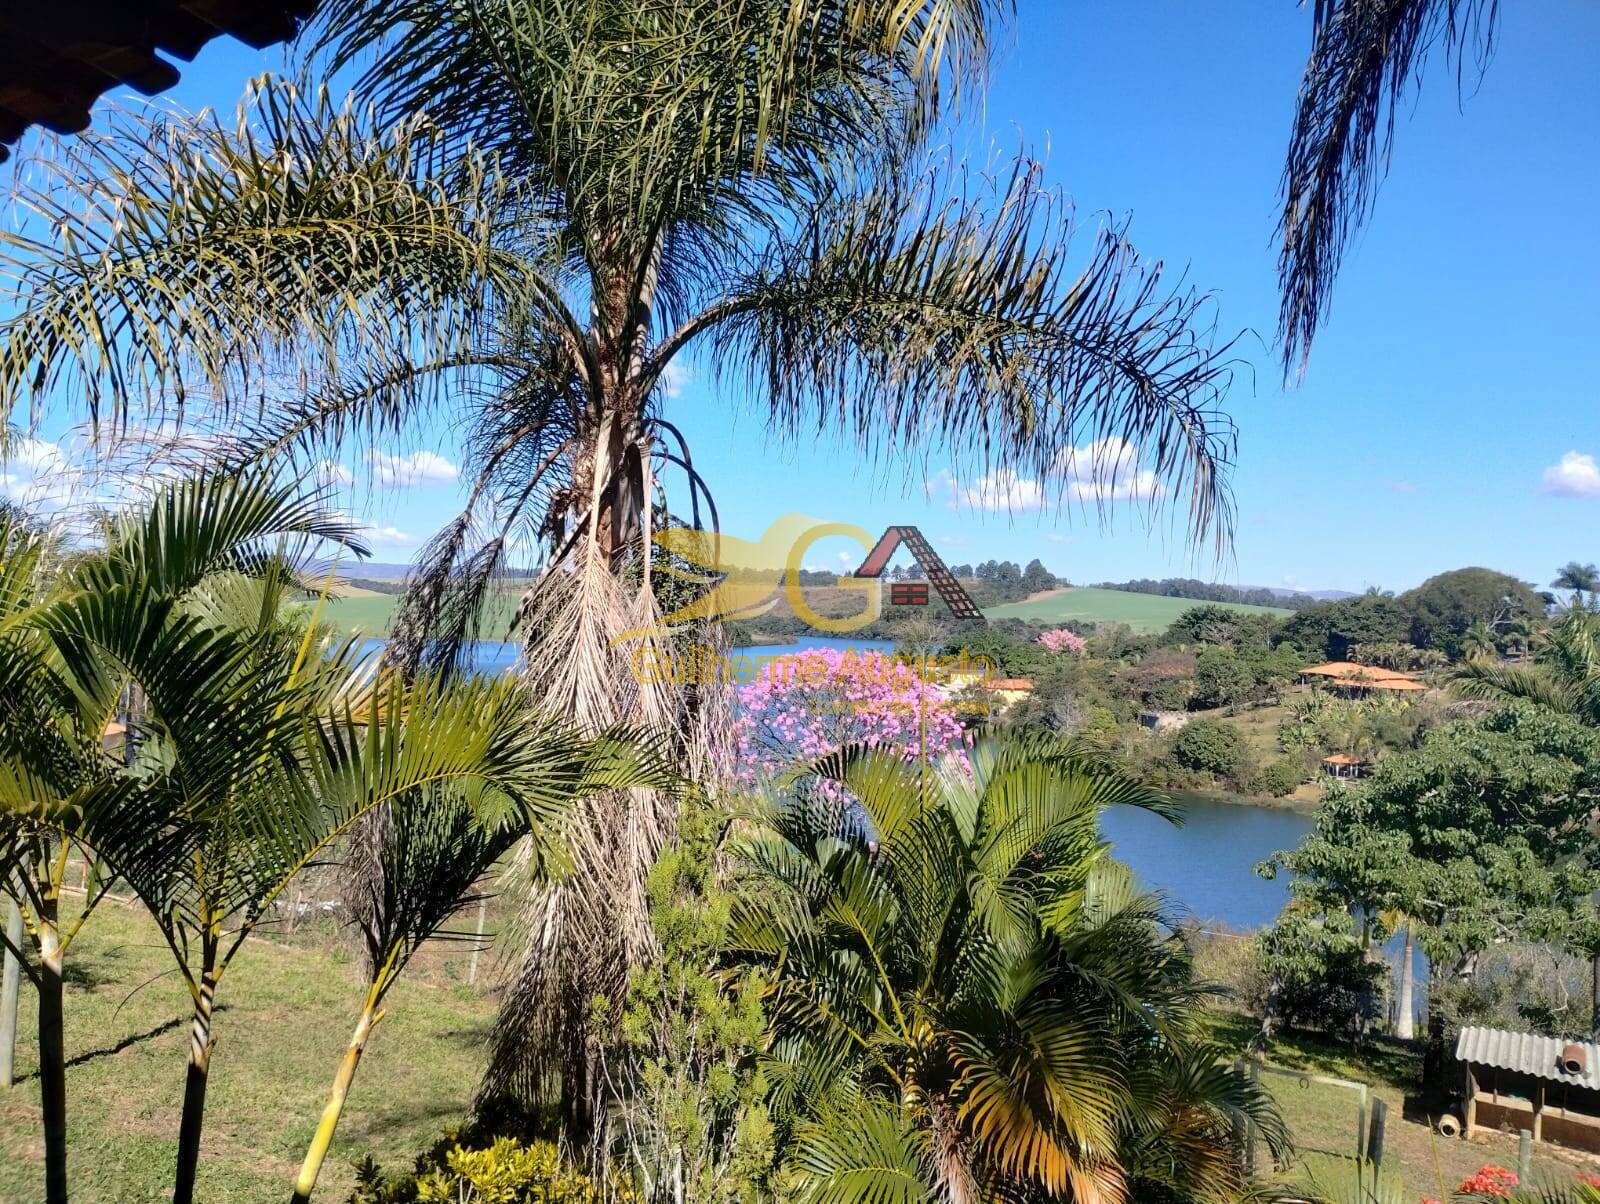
[(1142, 612), (1321, 595)]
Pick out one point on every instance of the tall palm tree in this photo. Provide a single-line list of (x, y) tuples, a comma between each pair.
[(600, 190), (1582, 579), (1365, 54), (970, 1000)]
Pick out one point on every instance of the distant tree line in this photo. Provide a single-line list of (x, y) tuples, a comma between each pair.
[(1210, 591)]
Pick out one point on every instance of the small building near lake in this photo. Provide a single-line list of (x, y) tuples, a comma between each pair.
[(1344, 767), (1516, 1080)]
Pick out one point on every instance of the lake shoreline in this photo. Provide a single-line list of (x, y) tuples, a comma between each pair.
[(1299, 806)]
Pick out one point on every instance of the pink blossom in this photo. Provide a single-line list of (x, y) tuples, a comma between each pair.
[(816, 704), (1062, 640)]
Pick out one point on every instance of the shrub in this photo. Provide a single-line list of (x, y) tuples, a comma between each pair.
[(1063, 640), (1209, 746), (507, 1172), (1275, 779)]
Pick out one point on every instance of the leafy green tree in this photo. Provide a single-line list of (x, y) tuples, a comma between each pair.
[(1332, 629), (1222, 626), (536, 214), (1210, 746), (1222, 678), (1318, 974), (1444, 607), (1480, 835), (1564, 676), (1582, 579), (970, 998)]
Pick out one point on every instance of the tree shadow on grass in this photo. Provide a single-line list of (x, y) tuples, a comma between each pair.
[(128, 1042)]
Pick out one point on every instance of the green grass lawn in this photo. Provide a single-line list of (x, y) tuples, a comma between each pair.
[(284, 1018), (1142, 612)]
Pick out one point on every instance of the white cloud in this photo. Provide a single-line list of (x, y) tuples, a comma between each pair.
[(674, 377), (389, 536), (1003, 490), (953, 541), (1577, 475), (1106, 470), (1056, 537), (423, 468)]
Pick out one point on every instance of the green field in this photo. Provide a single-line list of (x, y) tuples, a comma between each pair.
[(371, 614), (1142, 612)]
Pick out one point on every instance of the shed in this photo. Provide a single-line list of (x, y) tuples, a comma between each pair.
[(1547, 1085)]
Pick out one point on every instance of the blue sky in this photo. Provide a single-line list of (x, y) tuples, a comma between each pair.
[(1449, 414)]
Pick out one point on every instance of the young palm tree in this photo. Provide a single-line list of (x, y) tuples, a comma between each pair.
[(601, 189), (1364, 56), (1582, 579), (971, 1001), (258, 742), (432, 850), (50, 745)]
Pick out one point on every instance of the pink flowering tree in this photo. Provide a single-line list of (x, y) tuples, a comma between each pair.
[(1062, 640), (807, 706)]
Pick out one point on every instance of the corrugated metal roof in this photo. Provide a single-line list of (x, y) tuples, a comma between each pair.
[(1527, 1053)]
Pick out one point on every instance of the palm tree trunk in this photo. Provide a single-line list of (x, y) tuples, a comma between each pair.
[(10, 989), (194, 1089), (1405, 1022), (318, 1150), (52, 1055)]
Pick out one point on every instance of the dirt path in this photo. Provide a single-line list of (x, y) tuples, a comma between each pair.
[(1046, 593)]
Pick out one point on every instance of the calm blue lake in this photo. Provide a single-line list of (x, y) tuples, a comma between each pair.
[(1204, 868)]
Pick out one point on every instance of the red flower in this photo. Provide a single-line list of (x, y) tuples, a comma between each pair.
[(1489, 1181)]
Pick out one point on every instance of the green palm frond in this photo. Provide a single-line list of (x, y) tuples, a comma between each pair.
[(864, 1154), (957, 959), (282, 245), (963, 320)]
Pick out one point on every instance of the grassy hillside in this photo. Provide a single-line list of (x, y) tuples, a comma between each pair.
[(371, 612), (1142, 612)]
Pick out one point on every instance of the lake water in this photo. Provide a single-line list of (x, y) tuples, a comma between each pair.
[(1204, 868)]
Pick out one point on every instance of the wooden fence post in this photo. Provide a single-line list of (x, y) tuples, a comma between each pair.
[(1524, 1156), (1375, 1134)]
